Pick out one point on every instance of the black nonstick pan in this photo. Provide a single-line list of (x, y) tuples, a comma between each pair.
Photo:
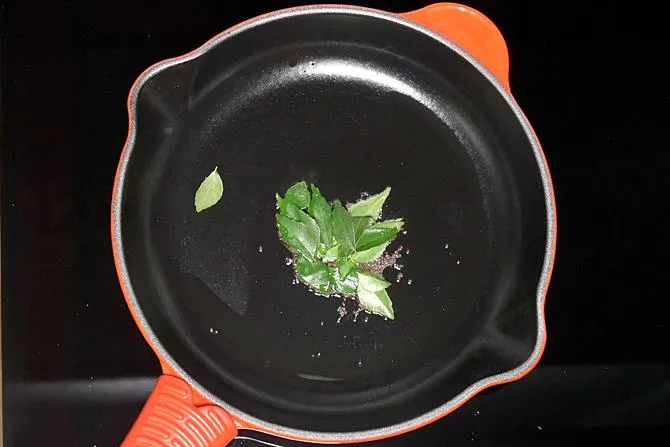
[(352, 100)]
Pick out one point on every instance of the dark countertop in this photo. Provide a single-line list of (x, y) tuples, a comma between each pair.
[(75, 368)]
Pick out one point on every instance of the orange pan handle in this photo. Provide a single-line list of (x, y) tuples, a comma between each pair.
[(470, 30), (174, 415)]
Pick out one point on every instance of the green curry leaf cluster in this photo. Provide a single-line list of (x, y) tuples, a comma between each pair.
[(332, 244)]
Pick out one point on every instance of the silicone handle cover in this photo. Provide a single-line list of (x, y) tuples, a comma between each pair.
[(170, 418)]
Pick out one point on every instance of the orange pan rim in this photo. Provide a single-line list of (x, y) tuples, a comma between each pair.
[(248, 421)]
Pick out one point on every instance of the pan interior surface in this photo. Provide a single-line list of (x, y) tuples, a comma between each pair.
[(351, 103)]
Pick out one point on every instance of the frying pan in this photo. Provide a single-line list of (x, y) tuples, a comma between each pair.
[(352, 100)]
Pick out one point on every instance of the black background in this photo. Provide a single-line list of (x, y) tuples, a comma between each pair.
[(589, 77)]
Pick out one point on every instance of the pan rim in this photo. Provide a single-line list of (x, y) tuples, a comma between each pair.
[(248, 420)]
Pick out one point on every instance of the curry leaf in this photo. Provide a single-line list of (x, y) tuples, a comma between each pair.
[(297, 235), (370, 254), (209, 192), (315, 274), (344, 286), (371, 293), (371, 282), (370, 207), (320, 210), (294, 213), (377, 302), (360, 224), (298, 195), (343, 229), (379, 234), (373, 237)]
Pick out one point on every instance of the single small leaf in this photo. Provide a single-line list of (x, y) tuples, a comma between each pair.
[(293, 212), (344, 267), (370, 254), (209, 192), (371, 293), (298, 195), (371, 282), (371, 207), (320, 210), (315, 274), (376, 302), (297, 235), (343, 229), (374, 236), (360, 224), (331, 254), (344, 286), (379, 234)]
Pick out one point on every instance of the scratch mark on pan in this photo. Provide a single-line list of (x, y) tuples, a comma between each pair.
[(319, 378), (258, 441), (413, 341)]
